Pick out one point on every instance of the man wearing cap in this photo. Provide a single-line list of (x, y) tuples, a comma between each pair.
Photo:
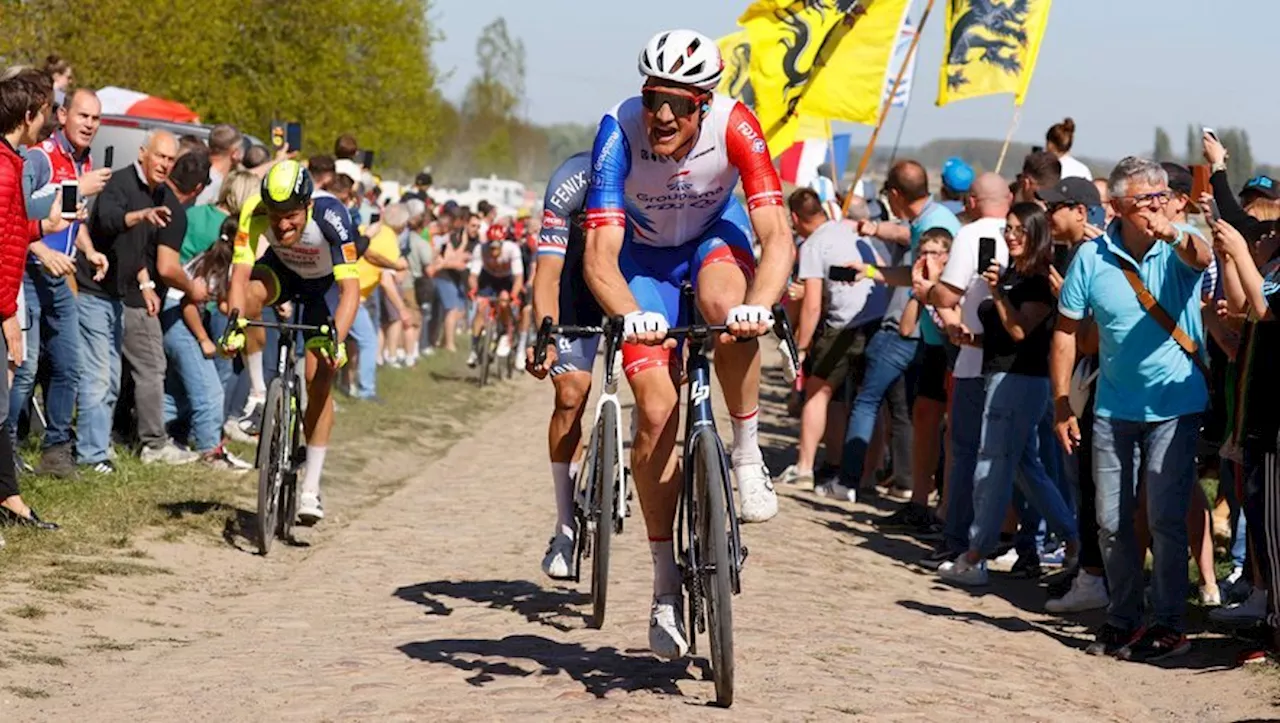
[(1067, 205), (957, 177)]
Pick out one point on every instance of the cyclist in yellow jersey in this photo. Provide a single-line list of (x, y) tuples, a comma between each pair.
[(310, 260)]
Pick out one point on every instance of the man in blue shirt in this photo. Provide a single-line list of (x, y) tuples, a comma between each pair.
[(1150, 397)]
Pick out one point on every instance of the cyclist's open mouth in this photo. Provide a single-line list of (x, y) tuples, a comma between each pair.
[(662, 135)]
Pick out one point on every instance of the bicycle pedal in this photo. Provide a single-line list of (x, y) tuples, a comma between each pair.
[(743, 558)]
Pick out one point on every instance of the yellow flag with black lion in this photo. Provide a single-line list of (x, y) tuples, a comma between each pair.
[(992, 47)]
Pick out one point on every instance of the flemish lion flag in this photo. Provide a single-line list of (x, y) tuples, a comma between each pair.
[(992, 47), (849, 84), (736, 80), (785, 37)]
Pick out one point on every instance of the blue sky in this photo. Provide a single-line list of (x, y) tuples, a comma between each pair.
[(1119, 67)]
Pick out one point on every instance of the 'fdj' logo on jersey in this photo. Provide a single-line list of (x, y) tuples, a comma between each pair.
[(679, 181)]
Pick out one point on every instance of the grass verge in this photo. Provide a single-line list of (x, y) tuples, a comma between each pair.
[(424, 409)]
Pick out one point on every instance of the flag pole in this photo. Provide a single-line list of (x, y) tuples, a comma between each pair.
[(1013, 127), (888, 103)]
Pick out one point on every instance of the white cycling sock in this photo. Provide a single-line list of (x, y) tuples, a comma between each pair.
[(564, 499), (666, 574), (315, 464), (746, 438), (257, 380)]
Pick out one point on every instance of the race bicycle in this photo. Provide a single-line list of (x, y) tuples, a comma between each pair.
[(708, 543), (281, 447), (490, 335), (600, 497)]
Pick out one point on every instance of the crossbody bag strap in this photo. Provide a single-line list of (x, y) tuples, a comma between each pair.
[(1166, 322)]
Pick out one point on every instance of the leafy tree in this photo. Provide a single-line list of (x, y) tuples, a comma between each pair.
[(1164, 147), (1240, 165), (1195, 150)]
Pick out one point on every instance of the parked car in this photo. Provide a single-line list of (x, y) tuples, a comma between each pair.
[(125, 134)]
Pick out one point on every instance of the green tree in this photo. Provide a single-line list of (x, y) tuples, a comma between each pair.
[(491, 105), (1195, 151), (1164, 147), (1240, 155)]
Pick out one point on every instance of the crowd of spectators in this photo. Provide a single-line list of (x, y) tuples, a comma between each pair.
[(1045, 370), (111, 315)]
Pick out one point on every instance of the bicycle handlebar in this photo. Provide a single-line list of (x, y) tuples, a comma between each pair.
[(233, 325), (547, 330)]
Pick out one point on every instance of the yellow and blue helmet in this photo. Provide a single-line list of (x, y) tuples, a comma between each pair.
[(287, 187)]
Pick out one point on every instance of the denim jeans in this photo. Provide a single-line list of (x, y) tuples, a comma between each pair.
[(1010, 443), (24, 377), (101, 334), (1032, 532), (888, 355), (965, 425), (1164, 454), (192, 390), (365, 336)]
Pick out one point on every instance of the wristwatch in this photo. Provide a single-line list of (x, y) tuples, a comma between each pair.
[(147, 286), (1219, 166)]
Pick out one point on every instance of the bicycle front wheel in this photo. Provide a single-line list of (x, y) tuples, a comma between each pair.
[(717, 565), (273, 446), (486, 353), (606, 487)]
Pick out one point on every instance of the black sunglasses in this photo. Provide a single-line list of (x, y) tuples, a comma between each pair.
[(682, 104)]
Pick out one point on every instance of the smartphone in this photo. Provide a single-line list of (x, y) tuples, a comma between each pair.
[(1061, 254), (842, 273), (109, 157), (293, 136), (70, 199), (986, 253), (1037, 149), (277, 135), (1097, 217), (1211, 210), (366, 160), (1211, 133), (1200, 185)]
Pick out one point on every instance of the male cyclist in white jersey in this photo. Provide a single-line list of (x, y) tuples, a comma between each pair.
[(659, 213), (310, 260), (497, 273)]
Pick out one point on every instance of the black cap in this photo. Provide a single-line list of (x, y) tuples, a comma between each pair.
[(422, 179), (1264, 186), (1179, 178), (1074, 191)]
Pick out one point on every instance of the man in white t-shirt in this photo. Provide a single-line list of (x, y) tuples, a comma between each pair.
[(960, 283)]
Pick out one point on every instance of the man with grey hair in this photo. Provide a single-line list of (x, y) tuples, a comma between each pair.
[(837, 320), (1151, 392), (226, 151)]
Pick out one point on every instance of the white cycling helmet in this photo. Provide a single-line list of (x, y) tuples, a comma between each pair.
[(682, 56)]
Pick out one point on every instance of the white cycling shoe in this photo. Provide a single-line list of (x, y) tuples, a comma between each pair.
[(309, 510), (557, 563), (758, 501), (667, 637)]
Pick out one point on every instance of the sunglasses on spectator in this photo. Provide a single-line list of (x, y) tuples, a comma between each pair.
[(1148, 200), (680, 102)]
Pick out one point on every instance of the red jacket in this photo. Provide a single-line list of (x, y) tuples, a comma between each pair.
[(16, 230)]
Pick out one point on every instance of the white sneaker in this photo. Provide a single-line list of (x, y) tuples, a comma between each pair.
[(232, 429), (472, 359), (793, 476), (962, 572), (556, 563), (168, 453), (1249, 611), (837, 491), (667, 637), (755, 492), (1088, 592), (504, 347), (309, 510)]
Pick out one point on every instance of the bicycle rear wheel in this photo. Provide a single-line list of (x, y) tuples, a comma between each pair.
[(606, 483), (717, 565), (486, 353), (273, 441)]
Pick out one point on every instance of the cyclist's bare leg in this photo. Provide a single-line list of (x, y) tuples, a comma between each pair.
[(505, 319), (722, 286), (449, 329), (317, 423), (654, 469), (564, 435)]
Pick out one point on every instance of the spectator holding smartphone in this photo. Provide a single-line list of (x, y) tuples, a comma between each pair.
[(1151, 395)]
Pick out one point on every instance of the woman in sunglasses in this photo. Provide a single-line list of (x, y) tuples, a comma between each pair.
[(660, 212)]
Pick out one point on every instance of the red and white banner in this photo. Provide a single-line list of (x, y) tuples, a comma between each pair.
[(799, 163)]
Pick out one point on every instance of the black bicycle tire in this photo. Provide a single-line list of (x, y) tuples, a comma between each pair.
[(485, 333), (270, 435), (289, 461), (713, 535), (606, 463)]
